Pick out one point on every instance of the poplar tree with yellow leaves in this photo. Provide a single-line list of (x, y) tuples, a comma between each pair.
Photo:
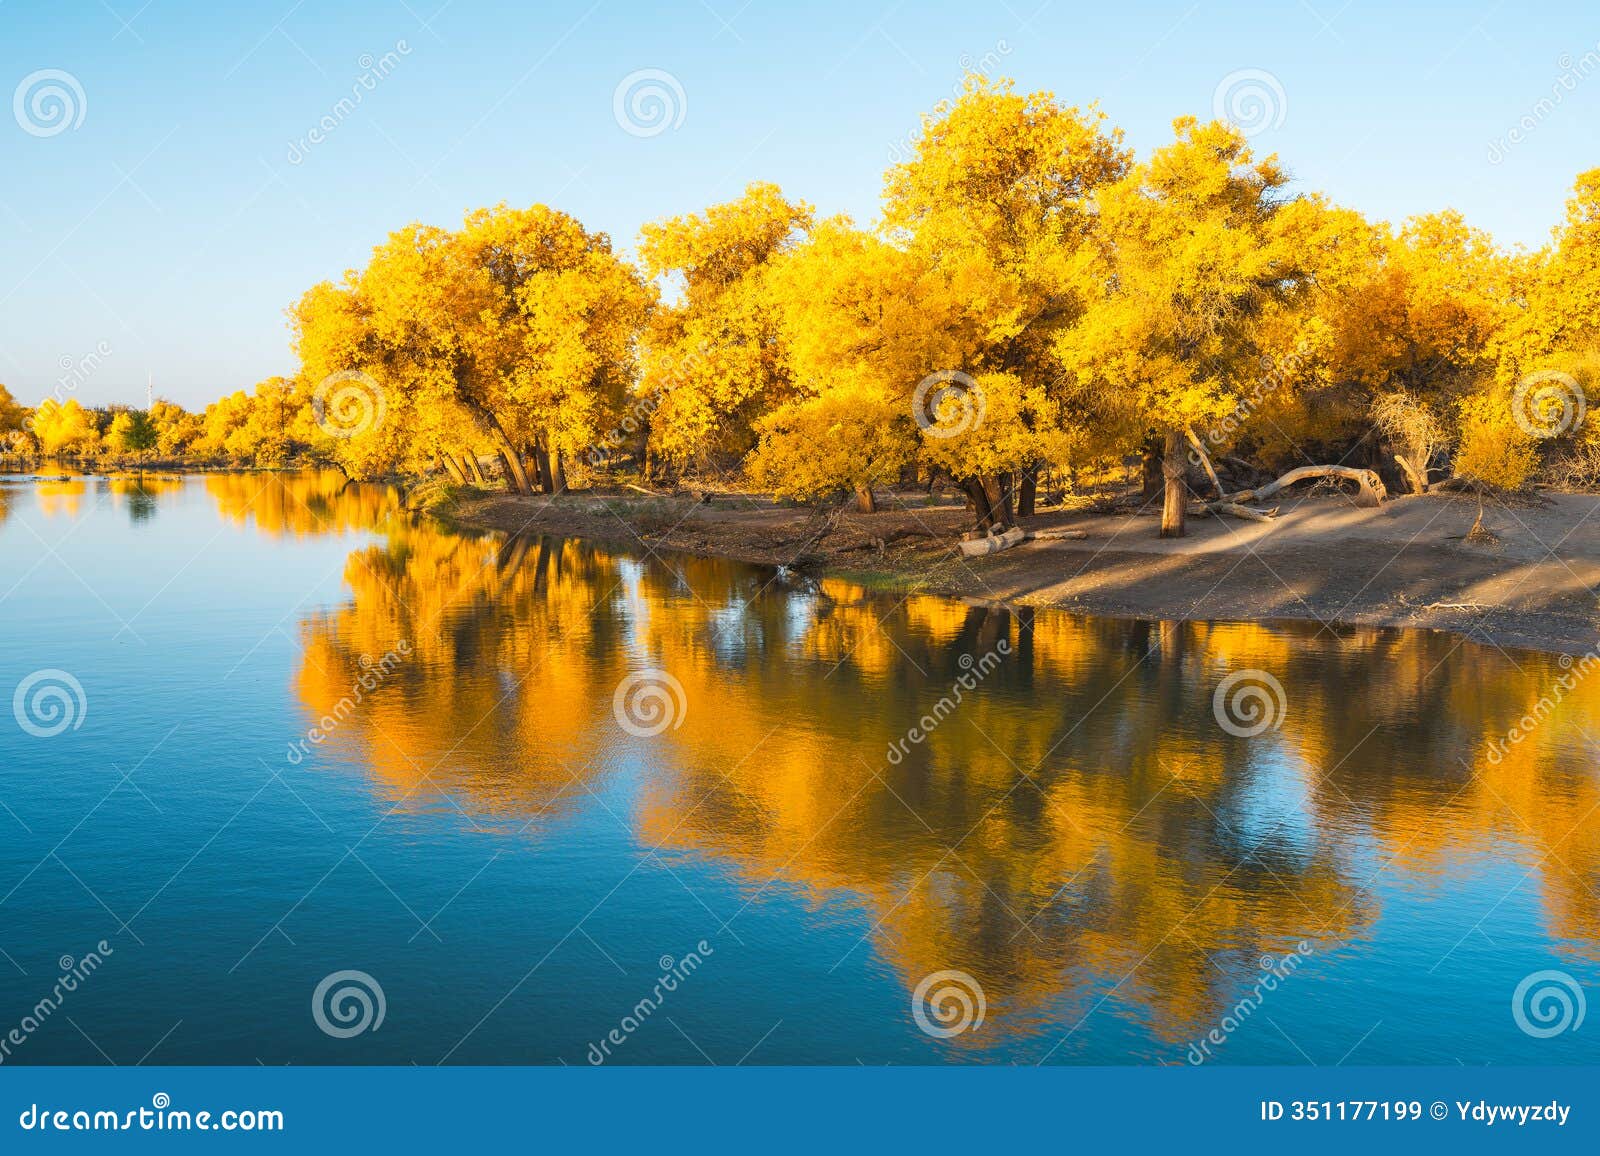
[(12, 415), (516, 333), (377, 336), (714, 362), (863, 320), (65, 427), (1414, 334), (996, 201), (552, 349), (1193, 255), (1563, 294)]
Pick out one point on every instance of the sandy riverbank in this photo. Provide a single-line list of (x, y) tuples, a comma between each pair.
[(1324, 558)]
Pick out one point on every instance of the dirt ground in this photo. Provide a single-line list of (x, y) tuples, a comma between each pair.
[(1323, 558)]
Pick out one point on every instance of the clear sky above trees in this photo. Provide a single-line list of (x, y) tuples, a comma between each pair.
[(175, 223)]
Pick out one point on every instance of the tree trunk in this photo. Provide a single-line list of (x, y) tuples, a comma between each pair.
[(497, 433), (1205, 460), (1479, 534), (541, 467), (454, 467), (866, 502), (558, 474), (1418, 486), (519, 476), (1028, 491), (1151, 462), (1206, 509), (1175, 502), (997, 492), (506, 458), (1372, 488), (477, 470), (978, 501)]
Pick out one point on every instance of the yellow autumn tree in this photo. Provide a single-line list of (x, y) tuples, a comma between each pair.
[(714, 363), (1193, 254), (65, 428), (554, 350), (862, 323), (382, 354), (1295, 405), (12, 415), (1563, 307), (1415, 334), (257, 428), (515, 334), (995, 200), (176, 428)]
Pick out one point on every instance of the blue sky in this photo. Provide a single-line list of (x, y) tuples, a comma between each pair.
[(167, 231)]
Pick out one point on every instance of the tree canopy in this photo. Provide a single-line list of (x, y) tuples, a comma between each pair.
[(1033, 297)]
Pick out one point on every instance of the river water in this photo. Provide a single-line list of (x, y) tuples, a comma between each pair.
[(291, 777)]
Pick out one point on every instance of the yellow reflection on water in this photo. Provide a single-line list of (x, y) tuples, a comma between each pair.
[(1077, 829), (301, 504)]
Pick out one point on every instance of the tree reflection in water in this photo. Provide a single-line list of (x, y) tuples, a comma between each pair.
[(1079, 829)]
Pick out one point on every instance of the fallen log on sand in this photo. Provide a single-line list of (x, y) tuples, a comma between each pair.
[(1015, 536), (1372, 489), (1372, 492), (1206, 509), (994, 543)]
